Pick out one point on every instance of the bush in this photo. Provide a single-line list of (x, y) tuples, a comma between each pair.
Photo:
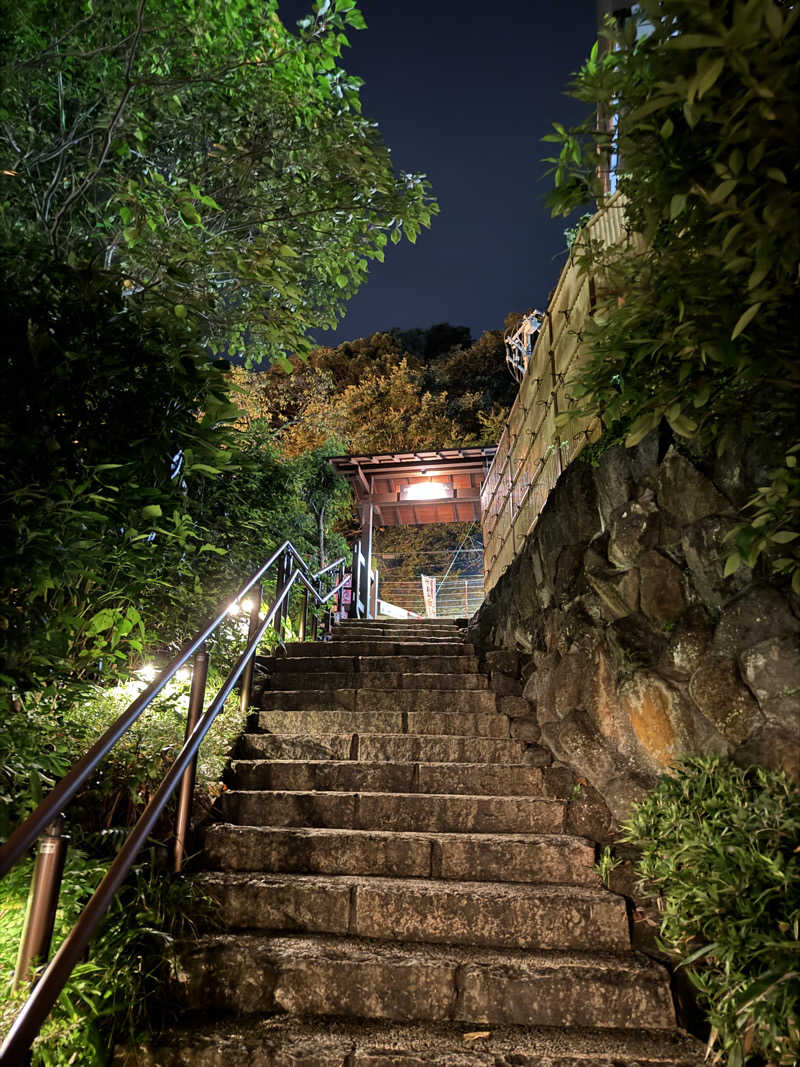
[(720, 851), (112, 996)]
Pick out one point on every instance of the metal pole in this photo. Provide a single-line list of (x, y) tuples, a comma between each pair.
[(183, 817), (40, 915), (304, 617), (368, 554), (252, 630), (280, 581), (284, 611), (355, 591)]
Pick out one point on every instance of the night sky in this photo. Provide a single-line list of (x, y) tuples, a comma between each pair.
[(463, 92)]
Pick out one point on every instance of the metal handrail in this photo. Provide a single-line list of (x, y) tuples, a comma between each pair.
[(36, 1008)]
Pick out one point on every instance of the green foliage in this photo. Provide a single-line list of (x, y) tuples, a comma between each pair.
[(606, 864), (104, 452), (719, 848), (775, 511), (390, 391), (698, 323), (113, 995), (218, 161)]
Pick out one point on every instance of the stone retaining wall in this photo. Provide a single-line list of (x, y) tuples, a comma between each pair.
[(616, 625)]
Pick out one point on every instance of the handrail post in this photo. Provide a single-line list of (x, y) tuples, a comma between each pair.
[(304, 617), (186, 790), (340, 594), (40, 915), (280, 581), (289, 572), (252, 629)]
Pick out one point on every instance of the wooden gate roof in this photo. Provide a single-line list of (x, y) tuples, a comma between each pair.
[(418, 488)]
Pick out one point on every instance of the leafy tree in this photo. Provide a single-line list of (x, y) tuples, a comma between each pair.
[(699, 326), (217, 161), (100, 453)]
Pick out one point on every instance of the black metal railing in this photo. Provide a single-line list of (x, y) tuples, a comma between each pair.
[(47, 819)]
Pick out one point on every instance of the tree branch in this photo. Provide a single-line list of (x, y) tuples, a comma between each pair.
[(129, 86)]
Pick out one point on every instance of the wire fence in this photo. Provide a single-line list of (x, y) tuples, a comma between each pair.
[(431, 597)]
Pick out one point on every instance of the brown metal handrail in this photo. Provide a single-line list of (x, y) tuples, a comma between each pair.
[(14, 1051)]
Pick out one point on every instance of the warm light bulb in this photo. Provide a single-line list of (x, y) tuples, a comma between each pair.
[(147, 673), (427, 491)]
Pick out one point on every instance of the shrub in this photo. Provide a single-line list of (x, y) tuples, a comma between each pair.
[(720, 851)]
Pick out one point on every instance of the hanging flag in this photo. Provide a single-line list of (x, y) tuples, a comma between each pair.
[(429, 595)]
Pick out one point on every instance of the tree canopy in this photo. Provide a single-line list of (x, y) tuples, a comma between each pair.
[(217, 162), (391, 391)]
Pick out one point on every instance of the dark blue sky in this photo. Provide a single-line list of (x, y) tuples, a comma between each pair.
[(464, 92)]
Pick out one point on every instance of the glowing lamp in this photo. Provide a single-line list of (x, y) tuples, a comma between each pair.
[(427, 491)]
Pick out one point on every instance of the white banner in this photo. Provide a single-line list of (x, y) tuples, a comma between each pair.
[(429, 595)]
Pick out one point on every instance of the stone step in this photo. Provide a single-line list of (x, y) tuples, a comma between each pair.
[(465, 724), (381, 647), (313, 975), (283, 1041), (385, 777), (525, 858), (484, 914), (396, 634), (432, 748), (417, 700), (425, 812), (385, 679), (351, 664), (399, 626)]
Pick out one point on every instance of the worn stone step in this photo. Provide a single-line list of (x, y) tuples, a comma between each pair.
[(385, 777), (526, 858), (351, 664), (396, 634), (422, 625), (308, 975), (485, 914), (394, 680), (381, 647), (417, 700), (432, 748), (477, 724), (283, 1041), (401, 811)]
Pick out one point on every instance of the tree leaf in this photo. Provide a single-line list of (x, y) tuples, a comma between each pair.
[(745, 319), (641, 428), (732, 564), (707, 74)]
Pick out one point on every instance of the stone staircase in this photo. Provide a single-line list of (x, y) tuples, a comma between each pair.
[(398, 888)]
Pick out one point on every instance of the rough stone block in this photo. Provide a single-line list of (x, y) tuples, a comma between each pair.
[(757, 615), (524, 917), (526, 729), (503, 660), (685, 494), (722, 697), (660, 587), (771, 670), (504, 684)]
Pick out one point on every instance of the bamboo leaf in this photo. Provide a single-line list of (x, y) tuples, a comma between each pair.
[(745, 319)]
